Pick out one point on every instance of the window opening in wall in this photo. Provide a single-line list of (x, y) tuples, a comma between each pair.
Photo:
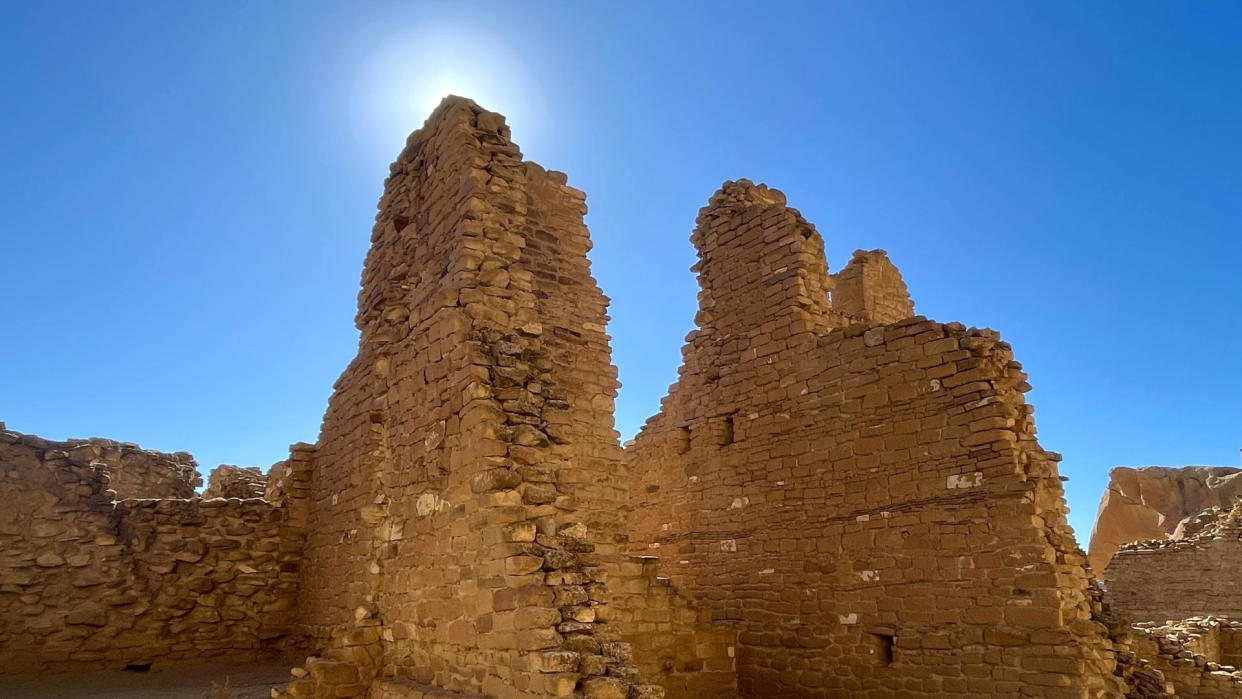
[(683, 440), (881, 648), (726, 431), (138, 667)]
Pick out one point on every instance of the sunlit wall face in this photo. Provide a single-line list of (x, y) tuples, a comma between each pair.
[(408, 73)]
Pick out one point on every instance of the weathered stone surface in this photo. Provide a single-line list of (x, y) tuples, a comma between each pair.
[(1147, 503), (1197, 657), (837, 498), (90, 582), (1167, 580), (841, 479), (476, 421), (235, 482)]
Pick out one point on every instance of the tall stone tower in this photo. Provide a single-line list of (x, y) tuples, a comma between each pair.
[(461, 444)]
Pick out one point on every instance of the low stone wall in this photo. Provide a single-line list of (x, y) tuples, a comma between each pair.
[(133, 472), (1194, 656), (88, 582), (1164, 580)]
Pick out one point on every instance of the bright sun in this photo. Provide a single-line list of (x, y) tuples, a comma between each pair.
[(407, 77)]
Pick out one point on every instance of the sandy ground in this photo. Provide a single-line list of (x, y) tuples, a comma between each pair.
[(219, 681)]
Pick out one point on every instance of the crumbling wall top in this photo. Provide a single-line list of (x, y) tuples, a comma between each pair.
[(133, 472), (227, 481)]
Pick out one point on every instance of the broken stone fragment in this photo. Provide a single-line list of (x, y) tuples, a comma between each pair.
[(331, 672), (49, 560), (604, 688), (538, 494), (522, 565), (495, 479)]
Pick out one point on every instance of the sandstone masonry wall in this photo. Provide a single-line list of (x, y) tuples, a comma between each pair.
[(468, 489), (90, 582), (235, 482), (865, 503), (837, 498), (870, 287), (1166, 580), (1198, 657), (133, 472), (674, 645)]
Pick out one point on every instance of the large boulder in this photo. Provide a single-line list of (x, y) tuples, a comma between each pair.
[(1150, 502)]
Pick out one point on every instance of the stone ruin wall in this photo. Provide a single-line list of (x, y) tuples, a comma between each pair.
[(1198, 657), (88, 581), (1150, 503), (1168, 553), (468, 489), (870, 289), (227, 481), (673, 644), (837, 498), (133, 472), (861, 496), (1169, 580)]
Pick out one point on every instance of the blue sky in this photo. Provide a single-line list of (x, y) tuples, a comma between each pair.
[(188, 189)]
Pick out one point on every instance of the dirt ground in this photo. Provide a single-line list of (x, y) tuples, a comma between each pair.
[(218, 681)]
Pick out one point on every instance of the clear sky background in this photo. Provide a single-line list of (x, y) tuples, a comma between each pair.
[(187, 192)]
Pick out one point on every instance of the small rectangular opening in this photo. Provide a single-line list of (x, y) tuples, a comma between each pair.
[(881, 648), (726, 432), (683, 440)]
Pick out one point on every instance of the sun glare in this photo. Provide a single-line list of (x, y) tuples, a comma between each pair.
[(408, 76)]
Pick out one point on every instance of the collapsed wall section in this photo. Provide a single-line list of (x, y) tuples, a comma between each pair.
[(867, 505), (89, 582), (133, 472), (1198, 657)]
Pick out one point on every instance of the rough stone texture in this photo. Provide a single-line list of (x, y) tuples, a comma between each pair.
[(469, 490), (837, 499), (870, 289), (1198, 657), (133, 472), (1163, 580), (89, 582), (675, 643), (235, 482), (1148, 503), (860, 494)]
